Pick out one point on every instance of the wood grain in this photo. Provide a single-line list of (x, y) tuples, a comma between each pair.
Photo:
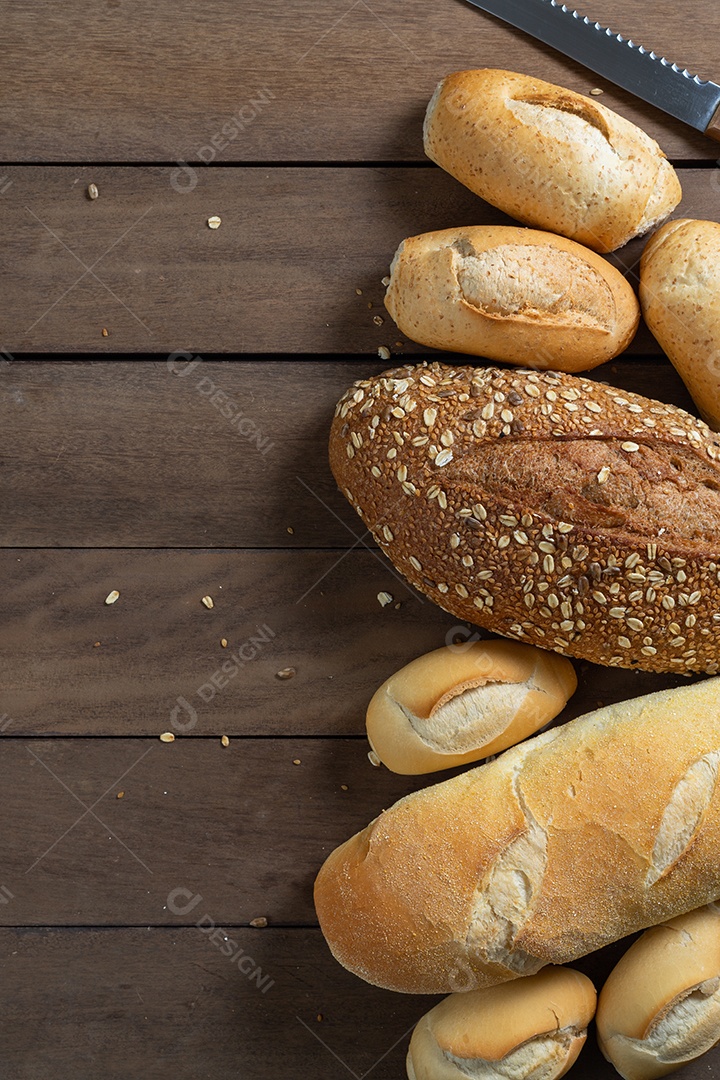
[(156, 1003), (133, 454), (160, 664), (280, 275), (335, 80)]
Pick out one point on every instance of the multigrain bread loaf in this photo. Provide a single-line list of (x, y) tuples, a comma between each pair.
[(530, 1028), (680, 296), (550, 157), (571, 840), (461, 703), (545, 507), (518, 295), (660, 1006)]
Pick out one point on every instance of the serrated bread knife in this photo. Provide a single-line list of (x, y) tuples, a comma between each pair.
[(648, 76)]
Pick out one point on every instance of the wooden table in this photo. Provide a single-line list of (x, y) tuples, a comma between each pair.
[(166, 394)]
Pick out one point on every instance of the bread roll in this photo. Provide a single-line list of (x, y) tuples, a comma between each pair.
[(569, 841), (660, 1006), (533, 1027), (518, 295), (461, 703), (544, 507), (680, 295), (550, 157)]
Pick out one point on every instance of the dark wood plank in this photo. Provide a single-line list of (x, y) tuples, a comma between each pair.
[(159, 664), (242, 825), (175, 82), (90, 1003), (280, 274), (130, 454)]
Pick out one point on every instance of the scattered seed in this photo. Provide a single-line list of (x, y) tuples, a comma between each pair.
[(369, 305), (596, 91), (297, 761), (384, 353), (603, 474), (104, 331), (344, 787), (214, 222), (112, 597), (384, 598), (378, 320), (285, 673), (374, 759), (208, 601), (385, 281), (167, 736), (259, 924), (319, 1017), (92, 191), (223, 642), (96, 644), (225, 741), (358, 292), (120, 795), (291, 530)]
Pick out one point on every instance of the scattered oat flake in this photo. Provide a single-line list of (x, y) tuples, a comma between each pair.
[(384, 352), (596, 91), (378, 320), (285, 673), (385, 281), (344, 787), (358, 292), (258, 924), (208, 601), (104, 331), (120, 794), (112, 597), (223, 642), (297, 761), (167, 736), (384, 598), (92, 191), (214, 222), (225, 741), (291, 530), (374, 759)]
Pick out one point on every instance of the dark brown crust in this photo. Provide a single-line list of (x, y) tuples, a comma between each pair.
[(452, 469)]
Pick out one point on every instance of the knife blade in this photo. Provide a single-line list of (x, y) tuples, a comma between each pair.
[(650, 77)]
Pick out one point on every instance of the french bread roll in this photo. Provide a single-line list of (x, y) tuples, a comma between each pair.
[(518, 295), (533, 1027), (547, 508), (550, 157), (680, 296), (571, 840), (461, 703), (660, 1006)]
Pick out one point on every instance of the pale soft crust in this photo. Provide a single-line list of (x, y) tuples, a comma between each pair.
[(540, 1021), (545, 507), (650, 992), (550, 157), (680, 297), (517, 295), (402, 903), (486, 695)]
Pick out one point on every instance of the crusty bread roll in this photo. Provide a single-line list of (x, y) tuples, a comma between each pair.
[(545, 507), (533, 1027), (660, 1006), (461, 703), (518, 295), (571, 840), (680, 296), (550, 157)]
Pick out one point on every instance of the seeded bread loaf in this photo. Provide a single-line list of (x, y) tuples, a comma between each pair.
[(530, 1028), (461, 703), (680, 296), (660, 1006), (571, 840), (545, 507), (518, 295), (550, 157)]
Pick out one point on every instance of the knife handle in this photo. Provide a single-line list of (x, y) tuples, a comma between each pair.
[(713, 128)]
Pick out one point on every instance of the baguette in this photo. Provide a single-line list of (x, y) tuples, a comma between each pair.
[(544, 507), (680, 296), (458, 704), (511, 294), (531, 1028), (565, 843), (550, 157), (660, 1006)]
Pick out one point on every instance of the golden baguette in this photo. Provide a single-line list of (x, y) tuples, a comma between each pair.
[(545, 507), (567, 842)]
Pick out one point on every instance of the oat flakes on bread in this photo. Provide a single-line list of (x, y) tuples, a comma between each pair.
[(522, 296), (544, 507), (550, 157)]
